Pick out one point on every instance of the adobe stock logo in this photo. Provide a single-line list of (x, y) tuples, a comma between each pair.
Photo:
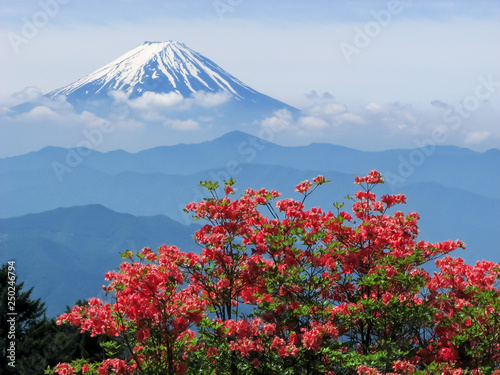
[(74, 156), (95, 137), (248, 150), (363, 37), (32, 25)]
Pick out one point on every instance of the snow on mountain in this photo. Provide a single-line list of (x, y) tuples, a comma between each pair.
[(162, 67)]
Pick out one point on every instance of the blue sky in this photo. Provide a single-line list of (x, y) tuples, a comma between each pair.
[(415, 67)]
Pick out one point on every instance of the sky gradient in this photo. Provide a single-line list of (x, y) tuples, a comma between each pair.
[(399, 69)]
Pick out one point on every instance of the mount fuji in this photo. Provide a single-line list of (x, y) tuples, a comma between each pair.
[(158, 93), (164, 68)]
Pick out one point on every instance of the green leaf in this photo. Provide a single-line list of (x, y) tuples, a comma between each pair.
[(209, 185), (127, 254)]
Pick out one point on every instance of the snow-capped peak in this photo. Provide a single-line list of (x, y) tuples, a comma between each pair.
[(159, 67)]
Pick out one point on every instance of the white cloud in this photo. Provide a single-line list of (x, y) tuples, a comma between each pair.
[(476, 137), (119, 96), (326, 109), (210, 100), (281, 120), (152, 104), (373, 107), (349, 117), (311, 122), (33, 96), (28, 94), (91, 120), (39, 113), (408, 116), (60, 103), (393, 125), (151, 100)]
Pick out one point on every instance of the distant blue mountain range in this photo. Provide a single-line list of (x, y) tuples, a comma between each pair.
[(64, 253), (453, 191)]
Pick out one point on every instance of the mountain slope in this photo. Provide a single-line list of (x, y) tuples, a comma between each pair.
[(64, 253), (162, 67)]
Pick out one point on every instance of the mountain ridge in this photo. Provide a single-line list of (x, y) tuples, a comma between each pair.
[(65, 252), (447, 164)]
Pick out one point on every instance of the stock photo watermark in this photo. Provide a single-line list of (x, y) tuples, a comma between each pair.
[(94, 137), (74, 156), (247, 151), (221, 7), (11, 315), (363, 37), (31, 26), (453, 119)]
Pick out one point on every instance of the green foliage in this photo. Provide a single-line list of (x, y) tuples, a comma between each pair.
[(39, 341)]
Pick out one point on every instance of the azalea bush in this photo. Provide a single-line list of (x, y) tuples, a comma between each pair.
[(281, 289)]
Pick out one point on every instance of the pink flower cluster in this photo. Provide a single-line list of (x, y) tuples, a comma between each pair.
[(326, 291)]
